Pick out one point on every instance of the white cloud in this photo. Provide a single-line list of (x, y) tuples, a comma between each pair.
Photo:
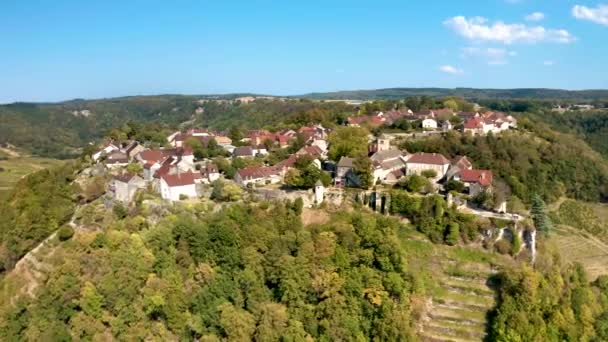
[(451, 69), (598, 15), (548, 63), (492, 56), (479, 29), (536, 16)]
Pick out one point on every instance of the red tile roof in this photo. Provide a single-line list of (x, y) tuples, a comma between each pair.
[(474, 123), (483, 177), (428, 158), (179, 179)]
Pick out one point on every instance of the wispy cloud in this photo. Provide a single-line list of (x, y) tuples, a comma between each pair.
[(492, 56), (449, 69), (536, 16), (479, 29), (548, 63), (598, 15)]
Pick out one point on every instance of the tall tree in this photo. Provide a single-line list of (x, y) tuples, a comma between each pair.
[(542, 222)]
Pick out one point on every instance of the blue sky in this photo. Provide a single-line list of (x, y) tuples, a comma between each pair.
[(64, 49)]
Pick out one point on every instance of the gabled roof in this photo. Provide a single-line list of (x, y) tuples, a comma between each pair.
[(386, 155), (346, 162), (161, 154), (179, 179), (117, 157), (474, 123), (287, 163), (255, 172), (428, 158), (313, 151), (462, 163), (165, 167), (125, 177), (209, 169), (243, 151), (482, 177)]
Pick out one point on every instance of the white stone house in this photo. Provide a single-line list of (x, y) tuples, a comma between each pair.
[(419, 162), (260, 175), (125, 186), (385, 162), (175, 186), (105, 150), (429, 123)]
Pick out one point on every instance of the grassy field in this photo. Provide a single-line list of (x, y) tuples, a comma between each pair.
[(14, 168)]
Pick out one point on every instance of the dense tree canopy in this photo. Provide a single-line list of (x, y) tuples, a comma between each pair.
[(242, 273)]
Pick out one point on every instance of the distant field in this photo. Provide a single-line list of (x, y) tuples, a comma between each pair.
[(579, 246), (14, 168), (581, 234)]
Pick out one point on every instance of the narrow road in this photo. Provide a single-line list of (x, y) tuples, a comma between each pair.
[(491, 214)]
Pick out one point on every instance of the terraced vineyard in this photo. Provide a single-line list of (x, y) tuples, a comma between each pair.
[(461, 296), (459, 307)]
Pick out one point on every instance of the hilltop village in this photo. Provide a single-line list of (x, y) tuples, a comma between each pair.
[(312, 159)]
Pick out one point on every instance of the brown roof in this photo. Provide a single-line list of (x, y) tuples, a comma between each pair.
[(346, 162), (117, 157), (428, 158), (313, 151), (179, 179), (287, 163), (209, 169), (243, 151), (462, 163), (483, 177), (125, 177), (161, 154), (253, 172)]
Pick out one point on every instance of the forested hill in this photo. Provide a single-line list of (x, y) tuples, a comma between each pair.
[(60, 129), (468, 93)]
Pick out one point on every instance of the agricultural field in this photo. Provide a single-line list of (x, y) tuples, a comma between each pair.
[(579, 246), (13, 168), (581, 234)]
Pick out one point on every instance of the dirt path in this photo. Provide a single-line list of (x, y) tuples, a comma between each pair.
[(10, 152)]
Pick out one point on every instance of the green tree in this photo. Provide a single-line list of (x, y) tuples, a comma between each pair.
[(347, 142), (238, 324), (362, 168), (91, 301), (430, 174), (538, 211), (414, 183), (453, 235)]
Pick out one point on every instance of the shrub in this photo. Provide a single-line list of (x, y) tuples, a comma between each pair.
[(503, 246), (65, 233), (429, 174)]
